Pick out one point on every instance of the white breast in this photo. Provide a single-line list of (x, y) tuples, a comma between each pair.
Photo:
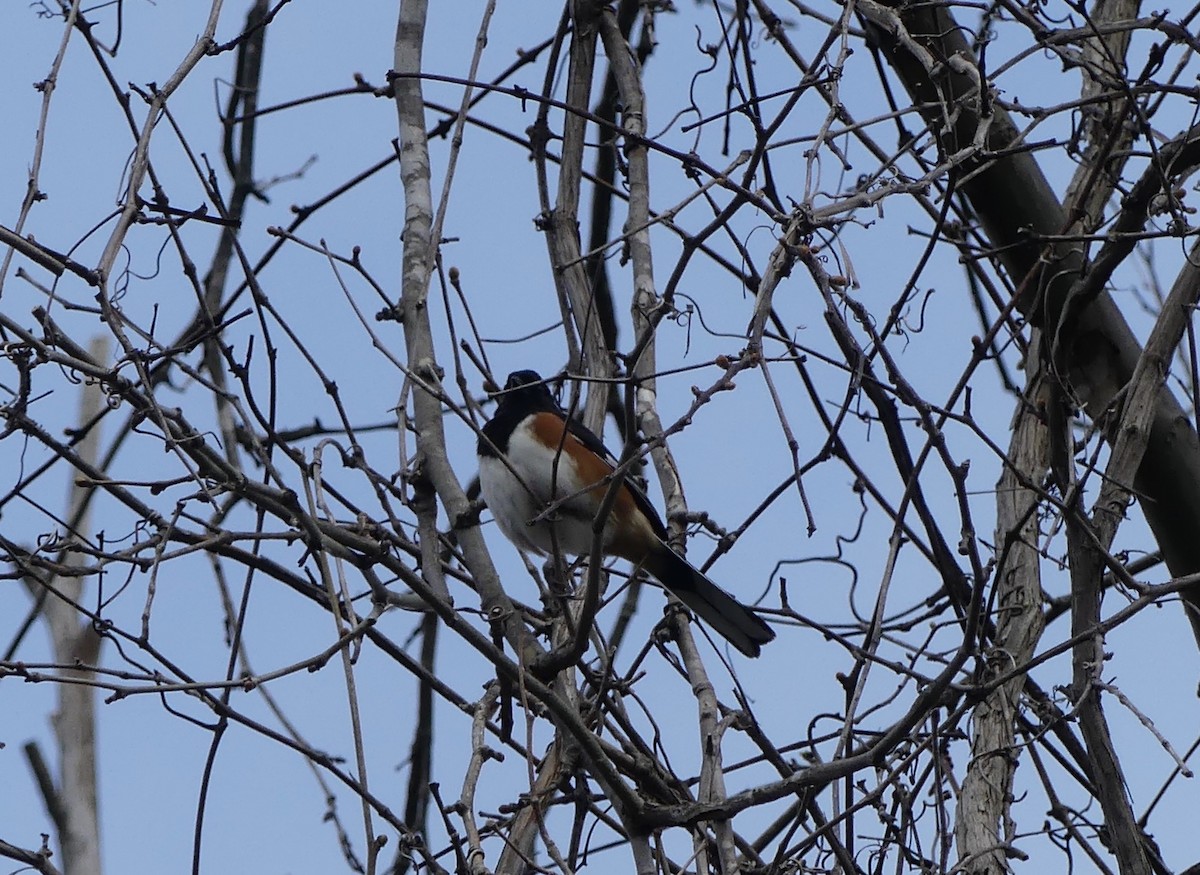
[(516, 501)]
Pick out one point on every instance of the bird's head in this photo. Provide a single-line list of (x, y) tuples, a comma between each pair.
[(527, 389), (517, 379)]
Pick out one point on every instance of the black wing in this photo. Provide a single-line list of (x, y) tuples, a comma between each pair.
[(588, 438)]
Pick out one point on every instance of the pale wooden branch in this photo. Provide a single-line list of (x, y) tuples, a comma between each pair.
[(1108, 128), (76, 646), (562, 225), (480, 754), (646, 306), (1086, 550), (418, 261), (558, 760), (983, 819), (711, 731), (460, 123), (140, 164), (339, 594), (33, 188), (1017, 207)]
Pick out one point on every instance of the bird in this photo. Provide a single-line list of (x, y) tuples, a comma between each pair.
[(532, 455)]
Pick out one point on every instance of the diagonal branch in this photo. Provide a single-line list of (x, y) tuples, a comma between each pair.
[(1016, 208)]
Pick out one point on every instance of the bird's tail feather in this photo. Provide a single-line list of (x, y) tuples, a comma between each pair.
[(728, 617)]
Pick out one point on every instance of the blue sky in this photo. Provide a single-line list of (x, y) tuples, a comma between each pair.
[(265, 810)]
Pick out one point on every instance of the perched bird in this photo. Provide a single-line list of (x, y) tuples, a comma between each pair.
[(531, 455)]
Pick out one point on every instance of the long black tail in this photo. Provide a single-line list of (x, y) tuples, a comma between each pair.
[(728, 617)]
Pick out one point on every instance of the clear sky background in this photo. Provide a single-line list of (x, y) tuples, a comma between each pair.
[(265, 811)]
